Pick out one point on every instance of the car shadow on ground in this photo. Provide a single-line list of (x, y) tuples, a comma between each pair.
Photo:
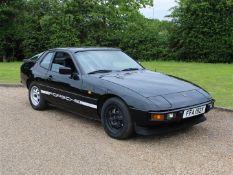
[(63, 115)]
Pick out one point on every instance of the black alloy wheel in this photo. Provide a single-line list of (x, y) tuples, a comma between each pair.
[(116, 119)]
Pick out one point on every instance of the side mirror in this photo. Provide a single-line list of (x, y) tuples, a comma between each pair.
[(65, 70)]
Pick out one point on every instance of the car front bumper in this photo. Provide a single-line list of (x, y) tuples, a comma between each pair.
[(146, 126), (169, 127)]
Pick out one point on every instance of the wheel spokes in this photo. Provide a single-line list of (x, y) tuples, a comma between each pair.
[(115, 118), (35, 95)]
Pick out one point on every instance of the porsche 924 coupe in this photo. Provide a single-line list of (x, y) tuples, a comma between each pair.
[(106, 84)]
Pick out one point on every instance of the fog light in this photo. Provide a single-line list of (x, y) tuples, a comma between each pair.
[(170, 116), (157, 117)]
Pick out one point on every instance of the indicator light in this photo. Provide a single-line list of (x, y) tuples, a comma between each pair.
[(157, 117)]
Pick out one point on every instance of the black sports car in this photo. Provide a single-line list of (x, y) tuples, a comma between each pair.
[(107, 85)]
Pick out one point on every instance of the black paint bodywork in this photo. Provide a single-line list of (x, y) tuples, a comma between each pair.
[(143, 91)]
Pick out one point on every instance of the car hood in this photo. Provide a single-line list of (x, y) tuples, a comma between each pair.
[(164, 91), (148, 83)]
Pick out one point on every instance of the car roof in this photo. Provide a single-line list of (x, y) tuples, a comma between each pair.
[(81, 49)]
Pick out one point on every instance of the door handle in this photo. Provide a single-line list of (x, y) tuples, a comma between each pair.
[(50, 77)]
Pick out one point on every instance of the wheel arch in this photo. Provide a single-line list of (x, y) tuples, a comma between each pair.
[(103, 99), (28, 82)]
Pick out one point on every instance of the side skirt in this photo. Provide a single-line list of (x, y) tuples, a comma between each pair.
[(74, 112)]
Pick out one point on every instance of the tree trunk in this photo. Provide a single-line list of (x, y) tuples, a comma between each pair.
[(4, 58)]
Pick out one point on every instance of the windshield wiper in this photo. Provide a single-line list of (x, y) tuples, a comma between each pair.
[(100, 71), (129, 69)]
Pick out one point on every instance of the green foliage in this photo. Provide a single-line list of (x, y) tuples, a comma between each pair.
[(203, 30), (31, 26), (146, 39), (10, 32)]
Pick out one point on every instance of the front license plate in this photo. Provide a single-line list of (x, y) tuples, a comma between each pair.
[(195, 111)]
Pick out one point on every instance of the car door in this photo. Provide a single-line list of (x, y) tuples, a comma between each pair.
[(41, 69), (66, 90)]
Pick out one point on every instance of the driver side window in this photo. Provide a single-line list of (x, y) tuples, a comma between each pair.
[(62, 59), (45, 63)]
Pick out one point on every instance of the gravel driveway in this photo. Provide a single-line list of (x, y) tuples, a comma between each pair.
[(57, 142)]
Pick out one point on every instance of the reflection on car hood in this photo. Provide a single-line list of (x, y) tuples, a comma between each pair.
[(148, 83)]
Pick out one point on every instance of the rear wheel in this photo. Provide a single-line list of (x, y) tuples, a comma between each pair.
[(35, 97), (116, 119)]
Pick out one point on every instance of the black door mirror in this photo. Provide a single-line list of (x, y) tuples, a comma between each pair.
[(65, 70)]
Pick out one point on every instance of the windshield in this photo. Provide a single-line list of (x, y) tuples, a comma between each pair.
[(100, 61)]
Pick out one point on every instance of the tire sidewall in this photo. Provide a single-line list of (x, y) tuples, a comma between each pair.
[(127, 129), (42, 103)]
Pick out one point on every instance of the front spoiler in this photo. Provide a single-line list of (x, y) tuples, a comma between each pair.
[(169, 127)]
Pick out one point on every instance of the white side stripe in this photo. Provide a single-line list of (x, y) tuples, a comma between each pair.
[(45, 92), (85, 104), (69, 99)]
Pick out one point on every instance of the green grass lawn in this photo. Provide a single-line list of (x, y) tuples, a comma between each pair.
[(215, 78), (9, 72)]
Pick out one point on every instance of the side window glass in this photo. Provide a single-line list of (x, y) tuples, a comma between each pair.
[(47, 60), (62, 59)]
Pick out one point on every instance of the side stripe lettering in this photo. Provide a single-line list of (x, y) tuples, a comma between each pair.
[(69, 99)]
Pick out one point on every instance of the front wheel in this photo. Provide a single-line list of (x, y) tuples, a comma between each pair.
[(116, 119), (35, 97)]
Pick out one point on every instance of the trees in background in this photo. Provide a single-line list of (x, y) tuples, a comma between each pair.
[(201, 30), (43, 24), (10, 29), (147, 39)]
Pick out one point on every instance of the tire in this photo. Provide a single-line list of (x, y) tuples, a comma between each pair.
[(36, 98), (116, 119)]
